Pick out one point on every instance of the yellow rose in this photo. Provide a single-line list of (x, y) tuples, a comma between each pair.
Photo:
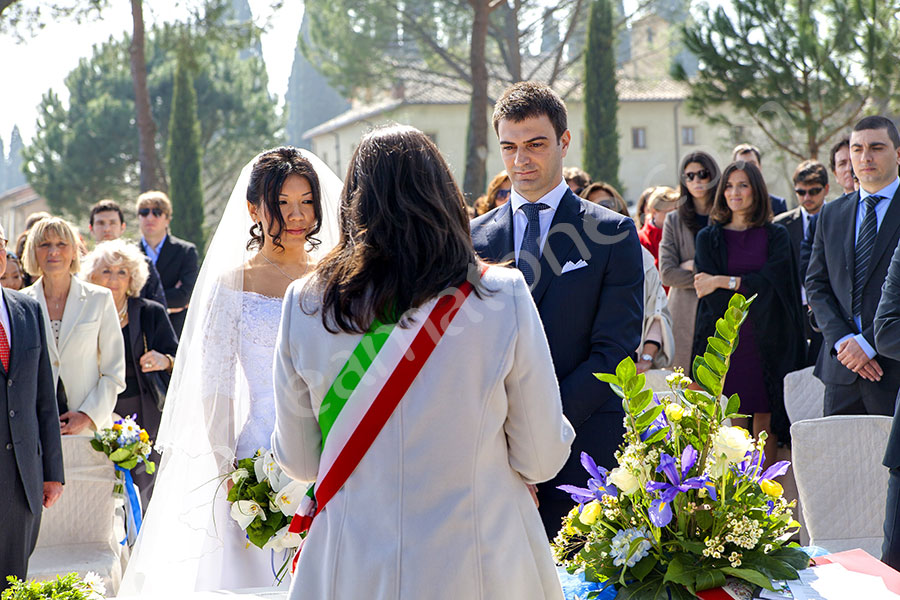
[(117, 427), (590, 513), (733, 443), (674, 412), (771, 488), (144, 436)]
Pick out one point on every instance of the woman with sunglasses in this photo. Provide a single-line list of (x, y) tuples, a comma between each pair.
[(498, 192), (699, 176), (742, 250)]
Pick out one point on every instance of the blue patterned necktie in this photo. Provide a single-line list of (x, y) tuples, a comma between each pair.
[(530, 240), (864, 245)]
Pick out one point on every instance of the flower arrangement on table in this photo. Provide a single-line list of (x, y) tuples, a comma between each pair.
[(689, 503), (64, 587), (263, 501)]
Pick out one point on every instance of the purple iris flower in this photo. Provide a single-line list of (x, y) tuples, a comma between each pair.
[(750, 467), (597, 484), (657, 424), (660, 511)]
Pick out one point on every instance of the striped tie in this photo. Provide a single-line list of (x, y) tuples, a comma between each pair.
[(530, 253), (864, 245)]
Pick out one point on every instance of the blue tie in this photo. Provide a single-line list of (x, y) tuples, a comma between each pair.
[(530, 240), (864, 245)]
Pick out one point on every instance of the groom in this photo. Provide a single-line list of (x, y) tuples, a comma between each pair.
[(584, 267)]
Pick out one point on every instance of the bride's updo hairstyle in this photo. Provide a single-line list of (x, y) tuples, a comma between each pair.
[(266, 179), (404, 233)]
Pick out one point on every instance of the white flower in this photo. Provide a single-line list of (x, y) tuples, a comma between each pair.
[(239, 475), (733, 443), (267, 469), (282, 540), (624, 480), (288, 498), (245, 511), (94, 586)]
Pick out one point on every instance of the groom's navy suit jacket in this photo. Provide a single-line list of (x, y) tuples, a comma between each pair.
[(592, 317)]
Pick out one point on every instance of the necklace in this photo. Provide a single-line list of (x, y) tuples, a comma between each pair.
[(289, 278), (123, 314)]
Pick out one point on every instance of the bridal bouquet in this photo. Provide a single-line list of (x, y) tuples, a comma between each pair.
[(264, 500), (689, 503), (126, 444)]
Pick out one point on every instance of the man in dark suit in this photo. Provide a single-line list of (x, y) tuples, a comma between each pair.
[(107, 222), (750, 153), (175, 259), (31, 464), (855, 237), (584, 266), (811, 187)]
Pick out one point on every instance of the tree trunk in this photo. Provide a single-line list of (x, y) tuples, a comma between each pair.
[(151, 171), (511, 35), (476, 140)]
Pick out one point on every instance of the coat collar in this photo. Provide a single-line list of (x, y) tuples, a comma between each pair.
[(889, 225), (75, 303)]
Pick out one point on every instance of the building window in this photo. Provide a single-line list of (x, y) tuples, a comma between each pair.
[(638, 137), (687, 136)]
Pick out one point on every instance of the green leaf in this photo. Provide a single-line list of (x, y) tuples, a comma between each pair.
[(719, 345), (97, 445), (704, 521), (648, 417), (679, 571), (128, 464), (625, 370), (707, 378), (607, 378), (150, 467), (738, 301), (733, 406), (659, 435), (643, 567), (716, 364), (709, 578), (654, 588), (734, 317), (640, 401), (754, 577), (725, 330), (635, 385), (119, 455)]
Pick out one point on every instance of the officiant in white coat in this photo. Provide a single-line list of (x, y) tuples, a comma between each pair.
[(437, 506)]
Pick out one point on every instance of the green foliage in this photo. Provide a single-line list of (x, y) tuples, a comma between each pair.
[(802, 72), (185, 158), (711, 368), (64, 587), (601, 140), (90, 150)]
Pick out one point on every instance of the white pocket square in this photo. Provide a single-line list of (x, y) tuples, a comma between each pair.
[(570, 266)]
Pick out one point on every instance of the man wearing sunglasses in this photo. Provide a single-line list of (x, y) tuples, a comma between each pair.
[(811, 187), (175, 259)]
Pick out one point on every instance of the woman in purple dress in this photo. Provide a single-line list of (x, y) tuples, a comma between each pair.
[(743, 251)]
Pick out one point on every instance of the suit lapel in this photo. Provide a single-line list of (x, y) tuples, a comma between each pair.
[(166, 254), (848, 215), (564, 230), (134, 320), (75, 302), (886, 232), (499, 234), (15, 329), (52, 346)]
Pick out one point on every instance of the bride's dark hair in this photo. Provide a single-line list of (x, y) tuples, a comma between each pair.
[(404, 233), (266, 179)]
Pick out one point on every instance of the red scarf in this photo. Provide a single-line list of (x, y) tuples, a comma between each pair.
[(650, 236)]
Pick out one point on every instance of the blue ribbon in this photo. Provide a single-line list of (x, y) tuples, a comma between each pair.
[(133, 506)]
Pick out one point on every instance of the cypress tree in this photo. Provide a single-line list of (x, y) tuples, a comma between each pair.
[(601, 138), (185, 159)]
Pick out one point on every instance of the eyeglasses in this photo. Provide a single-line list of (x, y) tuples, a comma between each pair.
[(811, 191), (701, 175), (502, 193), (157, 212)]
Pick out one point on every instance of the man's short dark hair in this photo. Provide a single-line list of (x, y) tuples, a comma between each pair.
[(106, 206), (879, 122), (809, 172), (744, 149), (844, 142), (528, 99)]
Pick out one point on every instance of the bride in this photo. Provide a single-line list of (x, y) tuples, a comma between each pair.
[(220, 401)]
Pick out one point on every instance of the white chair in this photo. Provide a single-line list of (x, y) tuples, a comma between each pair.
[(78, 532), (840, 480), (804, 395)]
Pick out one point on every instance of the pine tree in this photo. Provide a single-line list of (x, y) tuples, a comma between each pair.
[(601, 143), (14, 174), (185, 160)]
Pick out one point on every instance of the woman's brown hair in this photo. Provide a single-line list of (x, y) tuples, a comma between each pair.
[(762, 207), (404, 233), (687, 213), (488, 202)]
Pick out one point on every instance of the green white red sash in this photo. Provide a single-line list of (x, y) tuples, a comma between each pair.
[(364, 395)]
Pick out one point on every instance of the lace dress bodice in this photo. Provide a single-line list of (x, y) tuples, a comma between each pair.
[(259, 328)]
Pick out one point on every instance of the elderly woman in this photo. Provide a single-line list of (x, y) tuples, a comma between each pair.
[(150, 341), (657, 343), (86, 354)]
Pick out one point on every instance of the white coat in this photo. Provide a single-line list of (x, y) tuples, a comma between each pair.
[(438, 507)]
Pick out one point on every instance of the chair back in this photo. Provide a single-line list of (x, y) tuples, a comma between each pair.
[(804, 395)]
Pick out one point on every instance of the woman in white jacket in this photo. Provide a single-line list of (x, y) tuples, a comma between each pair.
[(438, 506)]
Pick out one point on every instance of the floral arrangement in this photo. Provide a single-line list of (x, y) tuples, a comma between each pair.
[(126, 444), (264, 499), (689, 503), (64, 587)]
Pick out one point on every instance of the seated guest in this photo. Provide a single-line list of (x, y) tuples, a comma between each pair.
[(175, 259), (657, 344), (743, 251), (12, 276), (497, 194), (576, 179), (107, 222), (87, 355), (660, 201), (841, 167), (148, 336), (811, 187), (750, 153)]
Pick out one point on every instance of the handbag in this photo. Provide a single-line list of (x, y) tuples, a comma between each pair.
[(157, 381)]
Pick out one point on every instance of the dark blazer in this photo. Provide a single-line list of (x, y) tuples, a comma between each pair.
[(153, 289), (829, 285), (31, 419), (779, 205), (887, 343), (178, 266), (592, 317), (775, 314), (792, 220), (806, 246)]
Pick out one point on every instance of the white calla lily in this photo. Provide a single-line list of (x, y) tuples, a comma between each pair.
[(283, 540), (267, 469), (245, 511), (289, 497), (238, 475)]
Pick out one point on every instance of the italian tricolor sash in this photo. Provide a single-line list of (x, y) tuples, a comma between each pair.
[(364, 395)]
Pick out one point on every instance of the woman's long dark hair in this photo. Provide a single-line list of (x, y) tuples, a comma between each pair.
[(762, 206), (404, 233), (687, 212), (266, 180)]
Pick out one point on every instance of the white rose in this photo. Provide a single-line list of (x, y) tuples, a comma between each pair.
[(733, 443), (624, 480)]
